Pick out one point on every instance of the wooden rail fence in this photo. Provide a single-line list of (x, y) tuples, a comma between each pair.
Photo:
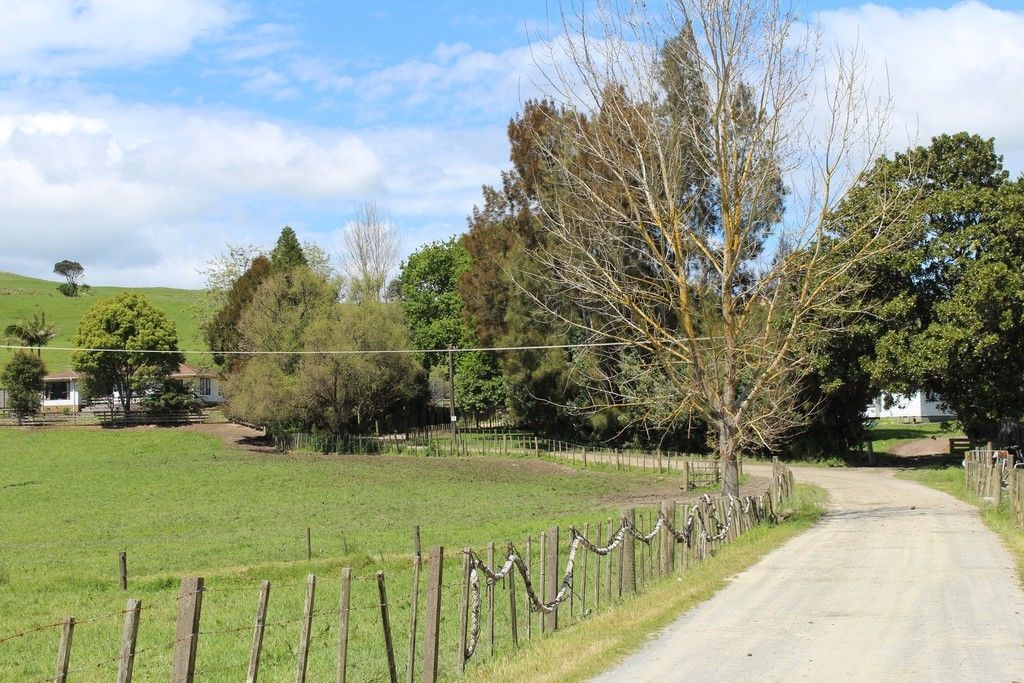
[(596, 582), (987, 472)]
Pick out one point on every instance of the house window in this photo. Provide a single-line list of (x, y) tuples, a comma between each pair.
[(204, 386), (56, 391)]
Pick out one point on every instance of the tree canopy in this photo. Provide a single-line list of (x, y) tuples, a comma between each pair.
[(32, 331), (122, 332), (72, 272), (22, 378)]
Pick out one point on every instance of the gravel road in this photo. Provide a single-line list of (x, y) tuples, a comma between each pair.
[(898, 581)]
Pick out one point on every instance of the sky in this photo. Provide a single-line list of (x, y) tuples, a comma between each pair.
[(140, 137)]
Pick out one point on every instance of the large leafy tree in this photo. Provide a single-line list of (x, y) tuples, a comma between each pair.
[(32, 331), (72, 272), (22, 378), (433, 306), (958, 327), (128, 342)]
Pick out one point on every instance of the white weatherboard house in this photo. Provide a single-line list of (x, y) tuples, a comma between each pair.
[(61, 393), (918, 406)]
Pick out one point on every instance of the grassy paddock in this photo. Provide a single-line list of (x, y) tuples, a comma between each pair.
[(999, 519), (181, 503), (592, 645)]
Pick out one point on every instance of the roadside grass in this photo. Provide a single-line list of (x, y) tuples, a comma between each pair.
[(20, 296), (999, 519), (592, 645), (181, 503)]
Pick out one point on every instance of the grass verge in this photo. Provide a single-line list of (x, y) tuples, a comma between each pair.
[(999, 518), (594, 644)]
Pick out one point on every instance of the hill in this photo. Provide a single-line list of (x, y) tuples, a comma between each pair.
[(20, 296)]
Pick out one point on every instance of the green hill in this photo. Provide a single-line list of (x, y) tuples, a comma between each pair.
[(20, 296)]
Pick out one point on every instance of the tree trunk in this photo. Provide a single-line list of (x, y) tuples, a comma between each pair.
[(727, 455)]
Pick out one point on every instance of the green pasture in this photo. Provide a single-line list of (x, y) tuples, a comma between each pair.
[(182, 503), (21, 296)]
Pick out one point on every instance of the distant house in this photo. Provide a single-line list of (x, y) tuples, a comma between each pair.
[(61, 389), (917, 406)]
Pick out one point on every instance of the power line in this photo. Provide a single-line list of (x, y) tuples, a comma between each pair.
[(334, 352)]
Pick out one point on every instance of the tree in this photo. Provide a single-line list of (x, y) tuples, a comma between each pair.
[(958, 311), (22, 377), (370, 248), (287, 253), (131, 341), (433, 307), (32, 331), (665, 200), (221, 331), (72, 271)]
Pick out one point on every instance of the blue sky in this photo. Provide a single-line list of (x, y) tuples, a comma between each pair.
[(141, 137)]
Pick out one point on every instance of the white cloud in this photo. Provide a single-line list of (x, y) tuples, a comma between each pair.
[(948, 70), (61, 36)]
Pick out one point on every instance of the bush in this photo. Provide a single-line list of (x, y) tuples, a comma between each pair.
[(171, 396), (22, 377)]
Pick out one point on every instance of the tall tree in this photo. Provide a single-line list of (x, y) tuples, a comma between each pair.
[(959, 311), (129, 342), (287, 253), (657, 229), (221, 331), (22, 378), (32, 331), (72, 272), (370, 248)]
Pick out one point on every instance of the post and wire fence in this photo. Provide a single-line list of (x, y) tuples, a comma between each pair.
[(497, 598)]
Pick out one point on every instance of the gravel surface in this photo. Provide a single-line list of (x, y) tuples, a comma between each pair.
[(897, 582)]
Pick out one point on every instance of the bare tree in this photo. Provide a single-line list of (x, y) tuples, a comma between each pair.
[(691, 209), (370, 250)]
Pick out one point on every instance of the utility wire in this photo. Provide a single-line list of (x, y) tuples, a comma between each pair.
[(329, 352)]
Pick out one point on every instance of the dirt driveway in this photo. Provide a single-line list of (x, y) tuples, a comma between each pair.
[(897, 582)]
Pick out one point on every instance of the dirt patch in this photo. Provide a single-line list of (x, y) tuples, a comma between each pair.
[(236, 436), (934, 445)]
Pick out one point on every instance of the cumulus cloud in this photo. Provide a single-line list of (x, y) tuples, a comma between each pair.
[(61, 36), (947, 69)]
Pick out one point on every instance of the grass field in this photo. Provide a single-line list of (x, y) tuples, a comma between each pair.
[(20, 296), (182, 503)]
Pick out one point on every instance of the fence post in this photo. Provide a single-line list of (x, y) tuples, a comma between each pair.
[(608, 562), (526, 595), (257, 633), (307, 628), (628, 582), (122, 570), (490, 602), (309, 544), (665, 556), (552, 575), (64, 650), (512, 607), (597, 567), (128, 639), (186, 633), (686, 474), (464, 611), (542, 556), (583, 593), (433, 614), (343, 609), (417, 560), (385, 620)]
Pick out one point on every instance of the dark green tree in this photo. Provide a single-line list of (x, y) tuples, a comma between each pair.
[(221, 331), (126, 330), (287, 253), (72, 272), (22, 378)]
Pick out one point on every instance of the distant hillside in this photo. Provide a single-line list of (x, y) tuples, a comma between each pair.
[(20, 296)]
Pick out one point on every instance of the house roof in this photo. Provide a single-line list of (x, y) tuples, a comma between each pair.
[(185, 371)]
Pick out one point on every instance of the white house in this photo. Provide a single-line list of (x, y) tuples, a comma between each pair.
[(918, 406), (60, 389)]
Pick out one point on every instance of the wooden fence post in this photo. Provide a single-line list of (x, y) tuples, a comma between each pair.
[(257, 633), (628, 580), (551, 570), (186, 632), (122, 570), (542, 556), (526, 595), (433, 614), (309, 544), (129, 635), (64, 651), (464, 610), (414, 604), (608, 562), (686, 475), (513, 608), (597, 567), (586, 553), (343, 610), (666, 555), (385, 620), (307, 629)]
